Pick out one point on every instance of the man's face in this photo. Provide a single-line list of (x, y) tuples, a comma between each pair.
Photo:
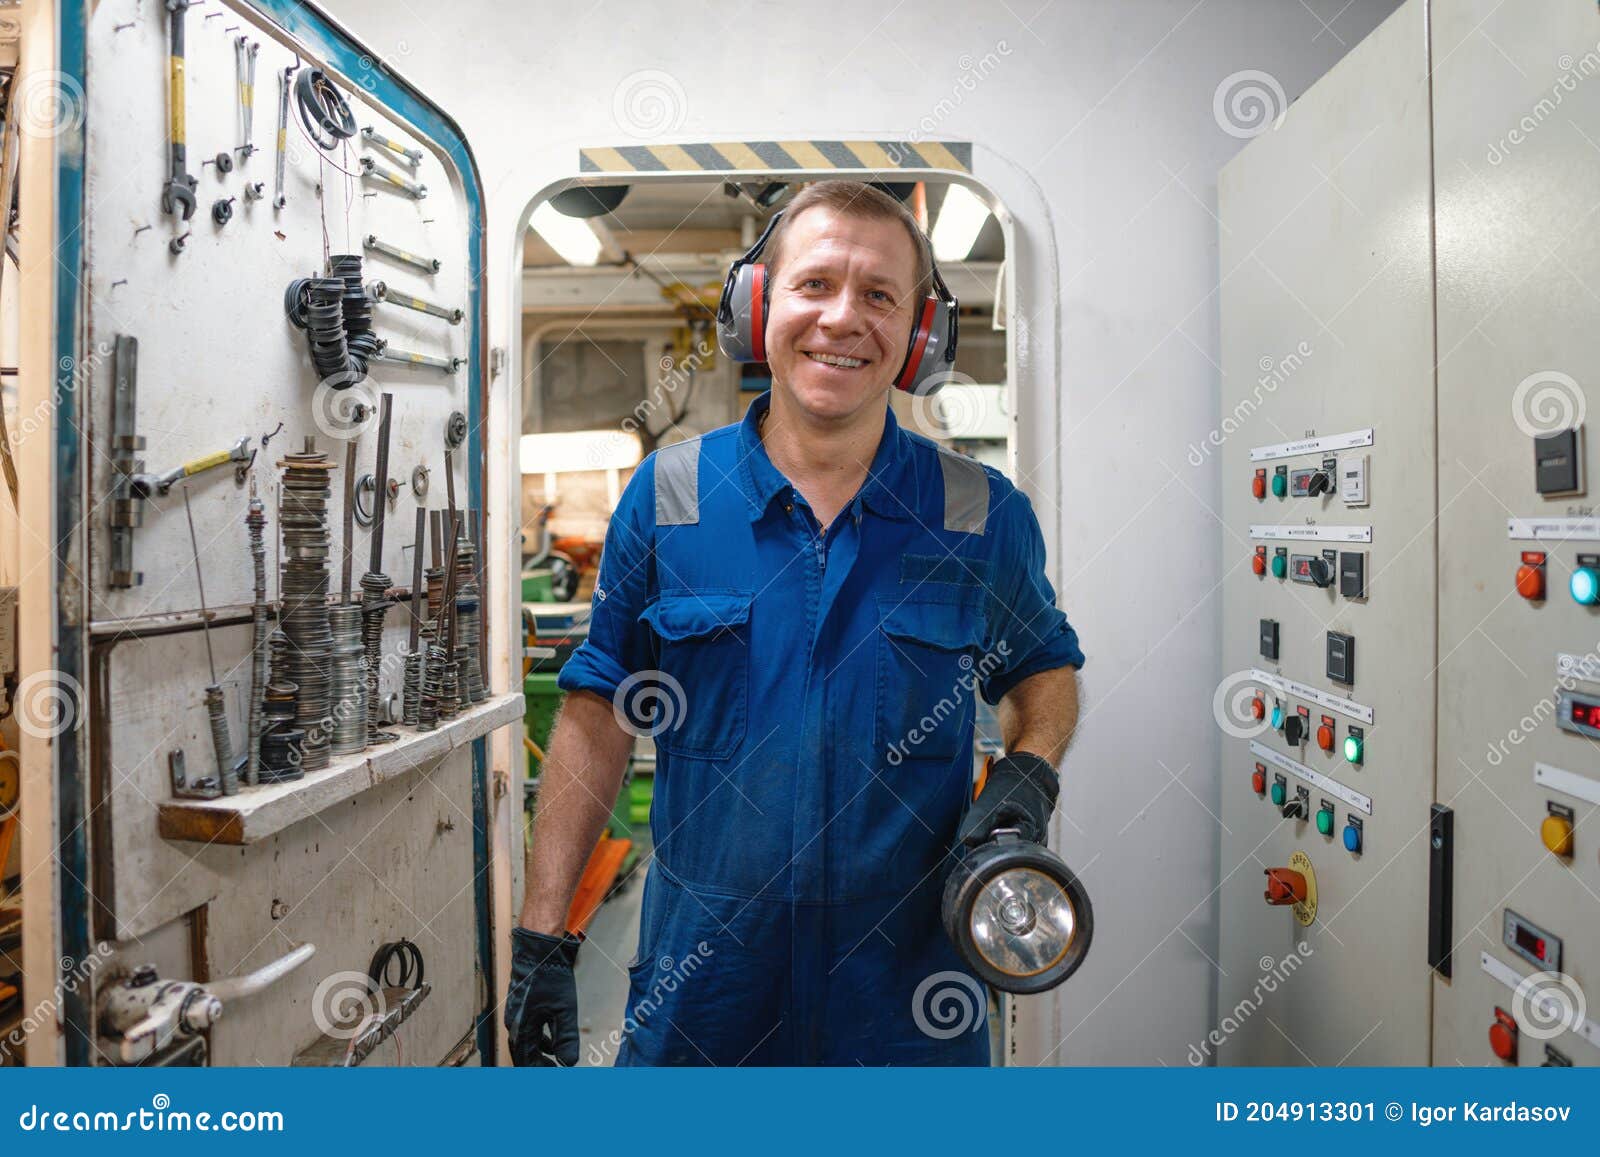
[(841, 311)]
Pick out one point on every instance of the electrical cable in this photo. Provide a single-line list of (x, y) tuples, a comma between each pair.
[(404, 957), (318, 99)]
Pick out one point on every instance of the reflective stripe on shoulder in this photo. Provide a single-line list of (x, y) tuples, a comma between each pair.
[(678, 484), (966, 492)]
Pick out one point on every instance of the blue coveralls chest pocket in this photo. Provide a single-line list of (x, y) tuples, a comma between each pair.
[(813, 711)]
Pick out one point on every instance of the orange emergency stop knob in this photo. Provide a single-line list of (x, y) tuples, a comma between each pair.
[(1285, 886), (1530, 582)]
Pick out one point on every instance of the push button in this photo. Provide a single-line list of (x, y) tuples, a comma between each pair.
[(1585, 586), (1258, 485), (1325, 736), (1280, 564), (1258, 779), (1285, 886), (1530, 576), (1556, 834), (1503, 1036), (1325, 821), (1352, 838)]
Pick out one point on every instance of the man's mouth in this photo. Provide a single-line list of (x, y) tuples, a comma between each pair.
[(835, 360)]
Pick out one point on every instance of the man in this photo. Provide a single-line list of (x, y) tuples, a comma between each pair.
[(800, 607)]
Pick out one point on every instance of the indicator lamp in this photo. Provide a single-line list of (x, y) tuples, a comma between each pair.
[(1280, 566), (1277, 716), (1279, 794), (1352, 839), (1325, 821), (1352, 749), (1280, 485), (1585, 586)]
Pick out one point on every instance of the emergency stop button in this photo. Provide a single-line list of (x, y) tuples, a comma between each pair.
[(1285, 886), (1503, 1036)]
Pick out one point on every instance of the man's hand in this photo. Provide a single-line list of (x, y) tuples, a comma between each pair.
[(1019, 793), (542, 1006)]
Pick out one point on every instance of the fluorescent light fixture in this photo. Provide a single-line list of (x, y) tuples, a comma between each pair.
[(579, 450), (960, 220), (570, 237)]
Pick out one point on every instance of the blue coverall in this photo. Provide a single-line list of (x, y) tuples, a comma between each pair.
[(811, 699)]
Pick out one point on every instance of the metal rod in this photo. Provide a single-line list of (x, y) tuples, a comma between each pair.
[(450, 482), (416, 583), (395, 253), (347, 573), (194, 545), (380, 497), (407, 358), (436, 531)]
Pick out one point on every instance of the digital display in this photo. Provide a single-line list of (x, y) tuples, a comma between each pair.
[(1586, 714), (1302, 566), (1529, 942)]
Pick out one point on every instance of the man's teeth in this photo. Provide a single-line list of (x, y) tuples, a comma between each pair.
[(836, 360)]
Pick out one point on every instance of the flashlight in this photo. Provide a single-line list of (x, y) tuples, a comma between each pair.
[(1016, 913)]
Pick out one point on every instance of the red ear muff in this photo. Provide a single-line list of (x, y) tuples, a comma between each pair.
[(919, 345), (758, 312)]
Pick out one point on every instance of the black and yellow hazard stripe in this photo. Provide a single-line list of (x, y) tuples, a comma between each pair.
[(778, 156)]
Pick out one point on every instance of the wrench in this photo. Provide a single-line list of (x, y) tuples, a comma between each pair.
[(278, 200), (177, 196), (244, 56)]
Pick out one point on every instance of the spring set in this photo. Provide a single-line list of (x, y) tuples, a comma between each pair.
[(281, 740), (466, 636), (375, 602), (428, 700), (305, 595), (411, 699), (255, 522), (356, 307), (350, 685)]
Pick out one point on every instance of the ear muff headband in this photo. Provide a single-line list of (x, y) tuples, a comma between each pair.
[(742, 318)]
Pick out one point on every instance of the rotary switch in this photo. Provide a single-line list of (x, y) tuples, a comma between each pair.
[(1321, 572), (1285, 886), (1294, 809)]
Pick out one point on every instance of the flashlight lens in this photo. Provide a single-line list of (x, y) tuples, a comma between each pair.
[(1023, 922)]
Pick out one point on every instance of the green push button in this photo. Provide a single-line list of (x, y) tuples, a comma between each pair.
[(1279, 792), (1280, 485), (1325, 822), (1280, 565), (1352, 749)]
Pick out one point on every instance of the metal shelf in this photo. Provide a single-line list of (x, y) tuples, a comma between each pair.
[(257, 813)]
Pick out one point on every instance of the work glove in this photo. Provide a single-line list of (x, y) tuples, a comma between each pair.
[(542, 1005), (1020, 793)]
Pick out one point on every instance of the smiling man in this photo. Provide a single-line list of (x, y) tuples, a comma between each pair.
[(801, 608)]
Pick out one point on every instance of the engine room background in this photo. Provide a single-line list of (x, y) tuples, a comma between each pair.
[(1096, 136)]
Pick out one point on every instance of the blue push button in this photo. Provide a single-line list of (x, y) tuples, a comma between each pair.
[(1352, 839)]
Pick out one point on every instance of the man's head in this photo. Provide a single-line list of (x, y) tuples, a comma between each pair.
[(847, 268)]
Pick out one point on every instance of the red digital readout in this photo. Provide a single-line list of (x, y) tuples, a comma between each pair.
[(1586, 714), (1302, 566)]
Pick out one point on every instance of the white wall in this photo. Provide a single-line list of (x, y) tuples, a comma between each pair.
[(1108, 105)]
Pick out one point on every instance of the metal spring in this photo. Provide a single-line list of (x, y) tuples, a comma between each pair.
[(428, 701), (256, 520), (411, 700), (221, 744), (282, 743), (374, 605), (356, 307), (450, 689), (349, 687)]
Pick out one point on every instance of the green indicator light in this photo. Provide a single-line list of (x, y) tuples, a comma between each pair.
[(1278, 793), (1280, 565), (1280, 485), (1352, 749), (1325, 822)]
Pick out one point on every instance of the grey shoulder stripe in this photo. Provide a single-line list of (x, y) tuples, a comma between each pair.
[(678, 484), (966, 492)]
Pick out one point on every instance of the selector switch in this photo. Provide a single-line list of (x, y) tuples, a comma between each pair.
[(1294, 730), (1269, 639), (1299, 807)]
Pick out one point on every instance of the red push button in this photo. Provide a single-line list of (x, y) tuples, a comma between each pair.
[(1285, 886), (1258, 779), (1258, 708), (1530, 576), (1503, 1036), (1258, 485), (1325, 737), (1258, 564)]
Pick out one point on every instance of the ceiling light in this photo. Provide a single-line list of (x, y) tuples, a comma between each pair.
[(960, 220), (571, 238)]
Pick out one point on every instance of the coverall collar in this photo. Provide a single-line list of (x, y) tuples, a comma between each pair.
[(890, 488)]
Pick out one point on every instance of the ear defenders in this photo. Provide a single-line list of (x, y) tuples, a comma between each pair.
[(746, 295)]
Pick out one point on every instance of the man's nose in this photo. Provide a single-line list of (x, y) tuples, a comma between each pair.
[(842, 314)]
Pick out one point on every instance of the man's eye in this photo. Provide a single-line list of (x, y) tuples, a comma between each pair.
[(881, 297), (812, 283)]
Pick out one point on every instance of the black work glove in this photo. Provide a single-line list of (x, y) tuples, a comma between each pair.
[(1020, 793), (542, 1006)]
